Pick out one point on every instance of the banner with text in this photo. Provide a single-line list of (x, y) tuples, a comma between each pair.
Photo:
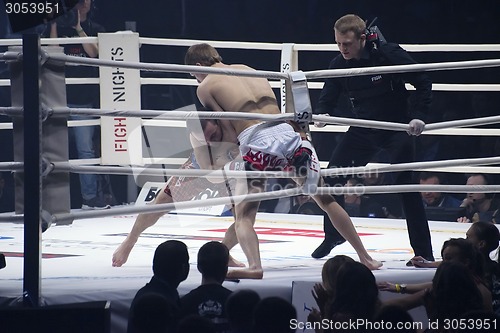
[(120, 89)]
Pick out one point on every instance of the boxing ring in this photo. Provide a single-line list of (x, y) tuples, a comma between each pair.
[(71, 261)]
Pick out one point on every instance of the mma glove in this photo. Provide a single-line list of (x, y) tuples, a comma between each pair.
[(416, 127)]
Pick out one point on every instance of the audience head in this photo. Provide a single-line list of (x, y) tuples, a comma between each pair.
[(213, 258), (431, 178), (152, 313), (479, 179), (195, 324), (356, 292), (330, 270), (461, 250), (274, 315), (484, 236), (454, 291), (171, 262), (240, 307)]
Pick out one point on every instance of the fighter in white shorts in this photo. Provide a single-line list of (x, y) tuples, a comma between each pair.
[(178, 189), (280, 146), (265, 147)]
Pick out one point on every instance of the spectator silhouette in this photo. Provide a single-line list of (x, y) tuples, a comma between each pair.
[(436, 199), (240, 306), (362, 205), (195, 324), (480, 206), (454, 293), (454, 250), (324, 292), (485, 237), (209, 299), (274, 314), (152, 313), (170, 268), (356, 294)]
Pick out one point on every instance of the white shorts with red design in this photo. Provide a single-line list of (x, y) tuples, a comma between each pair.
[(269, 147)]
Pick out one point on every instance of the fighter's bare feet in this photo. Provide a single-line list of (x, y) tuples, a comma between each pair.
[(372, 264), (234, 263), (246, 273), (121, 254)]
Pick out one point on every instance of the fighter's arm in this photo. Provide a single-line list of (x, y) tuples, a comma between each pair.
[(207, 97), (202, 153)]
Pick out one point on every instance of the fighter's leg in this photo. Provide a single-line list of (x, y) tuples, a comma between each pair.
[(343, 223), (230, 240), (245, 213), (142, 222)]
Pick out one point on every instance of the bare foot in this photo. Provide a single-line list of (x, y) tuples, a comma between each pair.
[(234, 263), (372, 264), (121, 253), (246, 273)]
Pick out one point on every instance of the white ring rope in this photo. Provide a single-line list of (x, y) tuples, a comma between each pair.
[(412, 47), (408, 166), (177, 206), (439, 66), (11, 166), (274, 195), (264, 46), (174, 68), (330, 73), (343, 171), (379, 189), (11, 111), (120, 170), (352, 190), (184, 115), (463, 123)]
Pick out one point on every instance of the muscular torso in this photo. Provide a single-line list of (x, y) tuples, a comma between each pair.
[(238, 94)]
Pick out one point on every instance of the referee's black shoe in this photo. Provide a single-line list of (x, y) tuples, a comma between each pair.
[(326, 247)]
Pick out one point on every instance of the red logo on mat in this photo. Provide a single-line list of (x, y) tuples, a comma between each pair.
[(44, 255), (289, 232)]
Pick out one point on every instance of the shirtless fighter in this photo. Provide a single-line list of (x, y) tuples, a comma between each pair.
[(179, 189), (273, 146)]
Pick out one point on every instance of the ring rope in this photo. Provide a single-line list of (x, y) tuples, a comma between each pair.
[(412, 47), (408, 166), (330, 73), (266, 46), (184, 115), (11, 110), (69, 167), (344, 171), (439, 66), (379, 189), (463, 123), (174, 68), (176, 206), (11, 166), (64, 217), (352, 190)]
